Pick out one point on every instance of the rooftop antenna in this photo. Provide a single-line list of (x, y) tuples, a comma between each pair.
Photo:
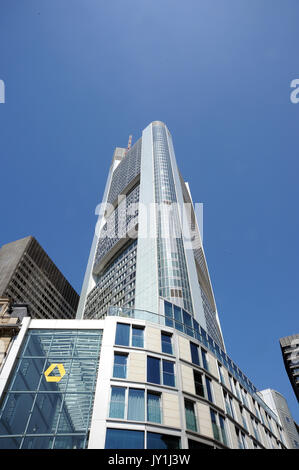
[(129, 144)]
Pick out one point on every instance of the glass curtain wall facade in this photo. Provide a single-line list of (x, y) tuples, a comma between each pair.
[(49, 400)]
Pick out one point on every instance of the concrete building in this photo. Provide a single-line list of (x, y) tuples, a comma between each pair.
[(279, 405), (28, 275), (144, 364), (290, 352)]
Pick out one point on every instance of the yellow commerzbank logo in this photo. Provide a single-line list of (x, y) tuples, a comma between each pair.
[(54, 378)]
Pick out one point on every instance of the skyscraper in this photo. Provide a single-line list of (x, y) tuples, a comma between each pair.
[(150, 221), (144, 364), (279, 405), (28, 275), (290, 352)]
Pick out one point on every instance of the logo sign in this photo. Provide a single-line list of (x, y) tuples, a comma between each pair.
[(54, 378)]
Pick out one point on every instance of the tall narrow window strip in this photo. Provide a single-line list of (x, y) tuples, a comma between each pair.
[(194, 354), (153, 407), (136, 405), (122, 337), (223, 430), (190, 416), (209, 389), (120, 366), (178, 318), (117, 403), (215, 428), (204, 360), (168, 373), (153, 370), (137, 337), (199, 388), (166, 343)]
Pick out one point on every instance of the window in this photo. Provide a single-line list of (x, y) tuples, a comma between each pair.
[(242, 412), (153, 407), (241, 439), (117, 402), (122, 336), (221, 376), (153, 370), (204, 359), (120, 366), (129, 335), (190, 416), (124, 439), (137, 337), (218, 426), (255, 429), (178, 318), (168, 314), (228, 404), (168, 373), (199, 388), (166, 343), (209, 389), (223, 430), (194, 354), (158, 376), (162, 441), (136, 405), (129, 403)]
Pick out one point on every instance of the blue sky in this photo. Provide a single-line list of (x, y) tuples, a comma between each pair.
[(80, 76)]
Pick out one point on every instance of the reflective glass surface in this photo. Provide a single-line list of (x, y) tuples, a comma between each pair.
[(51, 390)]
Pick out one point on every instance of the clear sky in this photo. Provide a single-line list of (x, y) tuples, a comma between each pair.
[(81, 75)]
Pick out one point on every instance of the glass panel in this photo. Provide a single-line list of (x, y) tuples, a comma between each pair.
[(168, 373), (10, 443), (190, 416), (88, 344), (166, 343), (153, 370), (222, 428), (29, 374), (124, 439), (38, 442), (168, 314), (75, 413), (153, 408), (122, 336), (69, 442), (204, 359), (209, 389), (194, 353), (162, 441), (199, 388), (15, 413), (82, 375), (44, 415), (37, 345), (117, 403), (178, 318), (215, 426), (137, 337), (188, 323), (136, 404), (120, 366)]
